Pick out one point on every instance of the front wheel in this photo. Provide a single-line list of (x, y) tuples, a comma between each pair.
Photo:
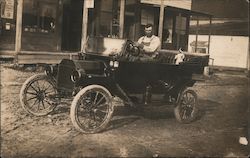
[(186, 109), (91, 109), (36, 94)]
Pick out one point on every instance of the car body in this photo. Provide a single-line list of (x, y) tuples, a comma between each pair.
[(109, 74)]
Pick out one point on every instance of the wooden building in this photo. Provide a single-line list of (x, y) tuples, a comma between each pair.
[(45, 31), (229, 32)]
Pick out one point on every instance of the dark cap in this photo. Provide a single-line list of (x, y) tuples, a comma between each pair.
[(148, 25)]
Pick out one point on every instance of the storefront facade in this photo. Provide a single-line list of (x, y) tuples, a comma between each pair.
[(66, 25), (40, 25)]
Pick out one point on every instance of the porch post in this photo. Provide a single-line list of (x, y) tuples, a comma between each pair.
[(209, 36), (178, 34), (84, 26), (196, 35), (248, 61), (137, 19), (161, 18), (19, 26), (121, 21), (59, 15)]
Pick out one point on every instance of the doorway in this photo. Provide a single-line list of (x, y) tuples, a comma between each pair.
[(72, 25)]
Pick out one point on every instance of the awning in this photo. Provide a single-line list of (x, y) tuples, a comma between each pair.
[(189, 12), (180, 10)]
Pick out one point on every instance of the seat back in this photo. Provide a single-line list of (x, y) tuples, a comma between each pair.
[(168, 56)]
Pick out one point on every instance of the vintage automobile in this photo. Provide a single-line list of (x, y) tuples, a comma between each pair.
[(108, 73)]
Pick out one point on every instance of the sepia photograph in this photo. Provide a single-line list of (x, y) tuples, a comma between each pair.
[(124, 78)]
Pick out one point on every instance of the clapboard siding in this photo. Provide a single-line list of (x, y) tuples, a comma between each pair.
[(184, 4), (26, 57), (7, 54)]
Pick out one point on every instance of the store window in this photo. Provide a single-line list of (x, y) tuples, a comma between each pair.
[(167, 36), (181, 32), (104, 19), (39, 16), (180, 25), (40, 25), (7, 24), (149, 15), (103, 24), (132, 20), (175, 31)]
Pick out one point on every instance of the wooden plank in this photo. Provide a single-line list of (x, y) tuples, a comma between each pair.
[(19, 25), (121, 21), (84, 26), (45, 58), (227, 68), (184, 4), (46, 53), (161, 18), (7, 54)]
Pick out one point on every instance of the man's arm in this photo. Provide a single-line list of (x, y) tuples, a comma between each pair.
[(140, 40), (154, 45)]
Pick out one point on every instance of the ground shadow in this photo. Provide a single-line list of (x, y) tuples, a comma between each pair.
[(159, 112), (205, 107), (60, 109), (127, 115), (148, 112), (121, 121)]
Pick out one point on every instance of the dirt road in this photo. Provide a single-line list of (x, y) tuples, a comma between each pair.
[(151, 132)]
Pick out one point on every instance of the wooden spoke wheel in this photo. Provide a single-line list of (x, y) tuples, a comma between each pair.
[(186, 108), (36, 95), (91, 109)]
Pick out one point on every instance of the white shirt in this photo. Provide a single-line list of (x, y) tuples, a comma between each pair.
[(151, 44)]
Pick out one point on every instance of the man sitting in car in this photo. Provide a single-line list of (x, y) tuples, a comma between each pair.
[(149, 44)]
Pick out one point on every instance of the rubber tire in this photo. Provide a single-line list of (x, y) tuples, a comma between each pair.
[(26, 85), (75, 104), (178, 106)]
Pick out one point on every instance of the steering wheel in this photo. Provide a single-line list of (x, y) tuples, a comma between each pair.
[(132, 50)]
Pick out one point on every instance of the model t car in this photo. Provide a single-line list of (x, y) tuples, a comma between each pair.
[(106, 72)]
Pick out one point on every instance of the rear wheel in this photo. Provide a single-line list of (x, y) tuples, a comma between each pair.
[(186, 109), (92, 109), (36, 95)]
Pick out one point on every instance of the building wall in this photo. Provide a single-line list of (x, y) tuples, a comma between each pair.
[(230, 51), (184, 4), (7, 24)]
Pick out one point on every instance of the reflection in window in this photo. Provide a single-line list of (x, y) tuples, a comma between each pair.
[(168, 30), (131, 10), (181, 23), (175, 34), (105, 19), (39, 16), (167, 34), (181, 32)]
